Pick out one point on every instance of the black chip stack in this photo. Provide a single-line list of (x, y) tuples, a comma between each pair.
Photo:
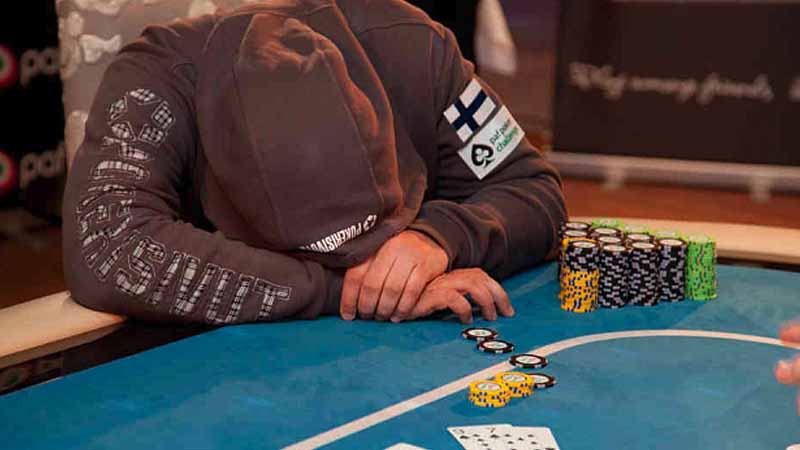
[(567, 235), (637, 237), (614, 262), (643, 275), (605, 240), (598, 232), (580, 276), (579, 226), (672, 269)]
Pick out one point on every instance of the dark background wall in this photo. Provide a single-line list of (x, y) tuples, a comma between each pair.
[(31, 113)]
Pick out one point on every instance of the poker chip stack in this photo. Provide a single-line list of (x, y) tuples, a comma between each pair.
[(578, 226), (580, 276), (634, 229), (643, 274), (610, 264), (630, 238), (607, 222), (614, 262), (603, 232), (701, 275), (570, 231), (605, 240), (571, 235), (667, 234), (672, 269), (489, 394), (520, 385)]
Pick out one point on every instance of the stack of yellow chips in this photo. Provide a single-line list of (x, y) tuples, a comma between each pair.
[(580, 277), (519, 384), (489, 394), (579, 290)]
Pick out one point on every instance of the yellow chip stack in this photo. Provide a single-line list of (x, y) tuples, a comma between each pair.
[(519, 384), (489, 394), (579, 290)]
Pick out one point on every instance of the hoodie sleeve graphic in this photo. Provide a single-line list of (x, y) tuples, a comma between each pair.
[(127, 248)]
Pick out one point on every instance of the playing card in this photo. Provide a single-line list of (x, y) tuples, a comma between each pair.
[(481, 437), (530, 438), (404, 446)]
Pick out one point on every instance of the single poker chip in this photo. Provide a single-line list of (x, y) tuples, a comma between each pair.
[(528, 361), (671, 242), (584, 244), (638, 237), (575, 234), (496, 346), (576, 226), (659, 234), (605, 231), (543, 380), (479, 334), (609, 240), (647, 246)]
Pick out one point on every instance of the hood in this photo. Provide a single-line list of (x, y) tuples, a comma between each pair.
[(298, 134)]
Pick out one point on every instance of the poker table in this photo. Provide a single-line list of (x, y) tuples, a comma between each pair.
[(689, 375)]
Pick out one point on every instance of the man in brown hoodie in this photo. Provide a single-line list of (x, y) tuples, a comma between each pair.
[(302, 157)]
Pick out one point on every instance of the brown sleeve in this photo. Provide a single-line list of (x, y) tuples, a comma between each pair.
[(126, 249), (507, 219)]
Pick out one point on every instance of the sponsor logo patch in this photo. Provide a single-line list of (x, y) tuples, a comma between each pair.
[(472, 109), (492, 144)]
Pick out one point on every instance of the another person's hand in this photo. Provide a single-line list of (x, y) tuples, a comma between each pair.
[(448, 291), (389, 284), (788, 372)]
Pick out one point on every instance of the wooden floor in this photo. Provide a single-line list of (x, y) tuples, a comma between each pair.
[(31, 264)]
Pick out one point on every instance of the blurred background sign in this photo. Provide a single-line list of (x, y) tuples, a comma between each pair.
[(31, 112), (690, 80)]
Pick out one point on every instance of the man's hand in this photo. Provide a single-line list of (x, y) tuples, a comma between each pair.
[(389, 284), (447, 292), (788, 372)]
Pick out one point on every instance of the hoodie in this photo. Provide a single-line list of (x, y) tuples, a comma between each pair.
[(236, 164)]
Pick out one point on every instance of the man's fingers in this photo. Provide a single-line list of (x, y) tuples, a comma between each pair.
[(788, 371), (500, 297), (460, 306), (476, 283), (412, 292), (372, 285), (438, 299), (350, 290), (483, 297), (791, 332), (393, 288)]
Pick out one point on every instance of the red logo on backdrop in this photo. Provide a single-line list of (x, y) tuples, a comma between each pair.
[(9, 68), (8, 174)]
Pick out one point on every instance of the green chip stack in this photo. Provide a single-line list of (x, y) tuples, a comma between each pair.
[(701, 273), (667, 234), (633, 228), (607, 222)]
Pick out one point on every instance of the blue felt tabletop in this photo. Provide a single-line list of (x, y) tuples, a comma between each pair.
[(272, 385)]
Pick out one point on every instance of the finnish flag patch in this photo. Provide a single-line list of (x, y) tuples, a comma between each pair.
[(492, 144), (472, 109)]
